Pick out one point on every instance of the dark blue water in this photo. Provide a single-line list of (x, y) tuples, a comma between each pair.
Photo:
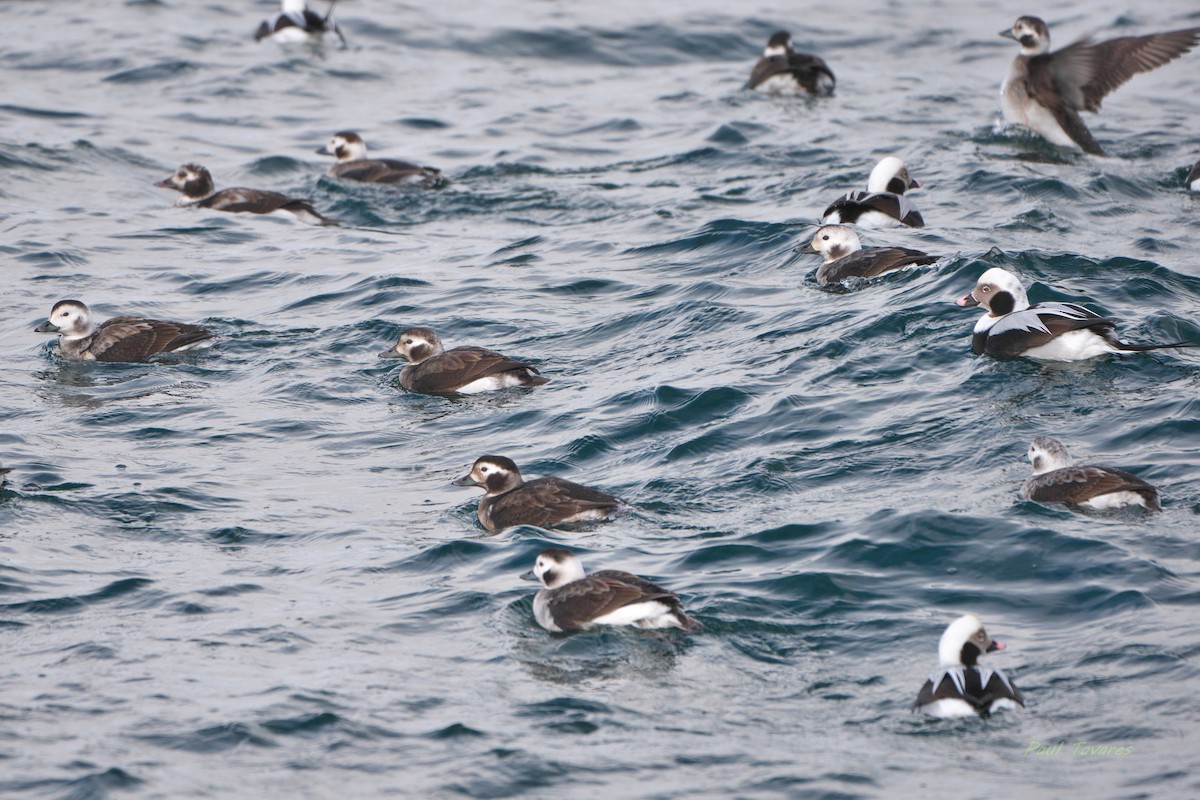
[(244, 574)]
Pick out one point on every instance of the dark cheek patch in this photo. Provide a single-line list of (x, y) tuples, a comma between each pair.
[(495, 481), (896, 186), (1028, 40), (1003, 303), (549, 576)]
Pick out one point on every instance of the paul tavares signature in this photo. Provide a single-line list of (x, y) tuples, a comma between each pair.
[(1078, 749)]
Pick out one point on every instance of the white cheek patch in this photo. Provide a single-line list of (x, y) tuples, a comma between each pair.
[(774, 51)]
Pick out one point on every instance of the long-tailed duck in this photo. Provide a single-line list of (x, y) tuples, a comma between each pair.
[(960, 688), (1055, 479), (545, 502), (432, 369), (883, 203), (1045, 91), (353, 165), (782, 70), (4, 473), (196, 185), (1193, 178), (571, 600), (120, 338), (1046, 331), (295, 23), (845, 257)]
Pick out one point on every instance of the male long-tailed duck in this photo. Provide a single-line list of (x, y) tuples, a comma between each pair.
[(571, 600), (1055, 479), (1046, 331), (883, 203), (1193, 178), (432, 369), (196, 185), (353, 165), (545, 502), (845, 257), (961, 688), (1045, 91), (295, 23), (120, 338), (782, 70)]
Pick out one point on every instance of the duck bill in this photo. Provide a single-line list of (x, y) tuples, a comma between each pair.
[(996, 645), (1008, 34), (806, 249), (529, 576), (967, 300), (323, 151), (165, 183), (47, 327), (391, 353), (465, 480), (916, 184)]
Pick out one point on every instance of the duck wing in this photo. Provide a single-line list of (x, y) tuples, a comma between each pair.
[(579, 602), (545, 502), (1077, 485), (1035, 326), (458, 367), (869, 262), (135, 339)]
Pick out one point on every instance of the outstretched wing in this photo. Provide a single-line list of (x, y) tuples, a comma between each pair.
[(1085, 73), (1118, 60)]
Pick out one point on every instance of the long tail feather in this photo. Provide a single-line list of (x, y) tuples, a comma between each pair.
[(1141, 348)]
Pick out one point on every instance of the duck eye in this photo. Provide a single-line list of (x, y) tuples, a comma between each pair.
[(985, 289), (826, 237)]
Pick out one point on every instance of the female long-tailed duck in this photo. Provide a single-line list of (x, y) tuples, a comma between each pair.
[(545, 502), (883, 203), (782, 70), (571, 600), (1193, 178), (1046, 331), (845, 257), (120, 338), (295, 23), (196, 185), (353, 165), (1045, 91), (1055, 479), (432, 369), (960, 688)]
